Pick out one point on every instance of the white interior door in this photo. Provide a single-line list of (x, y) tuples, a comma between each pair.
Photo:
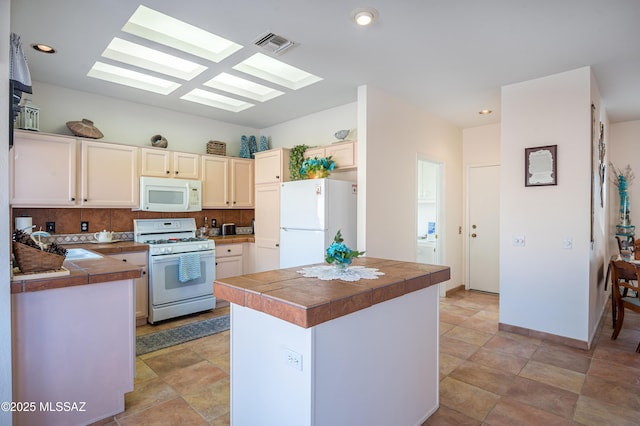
[(484, 231)]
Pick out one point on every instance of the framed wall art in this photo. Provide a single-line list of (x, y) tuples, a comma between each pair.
[(541, 166)]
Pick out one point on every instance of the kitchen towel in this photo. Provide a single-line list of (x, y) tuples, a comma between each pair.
[(189, 267)]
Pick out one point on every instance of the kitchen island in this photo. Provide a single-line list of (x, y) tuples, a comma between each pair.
[(73, 343), (310, 352)]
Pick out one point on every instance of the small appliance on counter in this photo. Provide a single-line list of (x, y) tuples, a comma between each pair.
[(228, 229)]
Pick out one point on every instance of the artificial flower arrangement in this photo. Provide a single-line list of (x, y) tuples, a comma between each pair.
[(315, 168), (339, 253)]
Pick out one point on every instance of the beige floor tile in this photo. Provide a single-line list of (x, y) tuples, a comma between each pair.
[(457, 347), (481, 324), (448, 363), (173, 412), (500, 360), (462, 397), (452, 318), (211, 401), (509, 412), (554, 376), (614, 372), (487, 378), (143, 372), (445, 326), (623, 395), (563, 359), (167, 362), (592, 412), (514, 346), (545, 397), (447, 417), (475, 337), (194, 377), (147, 394)]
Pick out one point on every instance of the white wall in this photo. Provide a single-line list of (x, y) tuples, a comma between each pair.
[(132, 123), (5, 228), (314, 129), (391, 135), (543, 286)]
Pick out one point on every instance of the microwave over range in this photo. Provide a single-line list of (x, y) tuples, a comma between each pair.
[(170, 195)]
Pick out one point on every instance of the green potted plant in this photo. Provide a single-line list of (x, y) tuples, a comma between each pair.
[(317, 168), (296, 158)]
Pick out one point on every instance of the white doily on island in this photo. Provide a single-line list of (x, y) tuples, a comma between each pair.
[(330, 272)]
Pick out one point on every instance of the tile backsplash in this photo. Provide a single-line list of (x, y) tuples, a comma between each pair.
[(120, 221)]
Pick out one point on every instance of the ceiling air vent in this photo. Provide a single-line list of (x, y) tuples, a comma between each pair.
[(274, 43)]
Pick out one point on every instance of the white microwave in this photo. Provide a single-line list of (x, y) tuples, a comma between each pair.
[(170, 195)]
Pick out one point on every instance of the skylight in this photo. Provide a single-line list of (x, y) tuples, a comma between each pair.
[(151, 59), (215, 100), (132, 78), (164, 29), (241, 87), (275, 71)]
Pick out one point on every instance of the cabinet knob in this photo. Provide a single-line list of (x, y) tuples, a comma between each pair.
[(73, 198), (144, 272), (228, 250), (85, 199), (176, 173), (277, 245), (234, 202), (168, 172), (277, 177), (124, 260), (474, 235), (226, 202)]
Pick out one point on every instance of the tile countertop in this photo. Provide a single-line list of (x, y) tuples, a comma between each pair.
[(307, 302), (87, 271)]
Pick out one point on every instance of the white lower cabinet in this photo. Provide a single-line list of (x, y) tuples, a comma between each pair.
[(139, 258), (228, 260)]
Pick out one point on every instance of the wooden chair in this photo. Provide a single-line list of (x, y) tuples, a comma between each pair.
[(619, 270)]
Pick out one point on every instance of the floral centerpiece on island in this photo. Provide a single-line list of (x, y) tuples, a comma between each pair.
[(339, 254), (317, 168)]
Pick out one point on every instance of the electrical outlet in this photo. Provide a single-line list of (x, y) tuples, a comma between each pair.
[(51, 227), (293, 359), (84, 226), (518, 240)]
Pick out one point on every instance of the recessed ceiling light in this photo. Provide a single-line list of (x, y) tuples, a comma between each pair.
[(364, 16), (275, 71), (240, 86), (43, 48), (164, 29), (216, 101), (485, 112), (151, 59), (132, 78)]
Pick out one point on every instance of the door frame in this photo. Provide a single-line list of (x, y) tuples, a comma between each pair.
[(467, 219), (440, 216)]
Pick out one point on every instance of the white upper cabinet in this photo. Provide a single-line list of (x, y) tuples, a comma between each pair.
[(161, 163), (43, 170)]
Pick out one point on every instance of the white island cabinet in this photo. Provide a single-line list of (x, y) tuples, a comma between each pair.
[(328, 353), (73, 343)]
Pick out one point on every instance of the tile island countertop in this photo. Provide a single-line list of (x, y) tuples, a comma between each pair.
[(306, 351), (306, 302)]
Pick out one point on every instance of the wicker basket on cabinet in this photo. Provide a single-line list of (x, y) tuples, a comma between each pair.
[(217, 148), (31, 259)]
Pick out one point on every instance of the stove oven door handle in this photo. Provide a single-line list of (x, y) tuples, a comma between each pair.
[(172, 257)]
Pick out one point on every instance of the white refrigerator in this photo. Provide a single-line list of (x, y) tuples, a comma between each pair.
[(311, 212)]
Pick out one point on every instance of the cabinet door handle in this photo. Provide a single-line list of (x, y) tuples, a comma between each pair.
[(124, 260)]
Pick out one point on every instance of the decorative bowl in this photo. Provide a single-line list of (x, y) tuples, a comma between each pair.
[(341, 134)]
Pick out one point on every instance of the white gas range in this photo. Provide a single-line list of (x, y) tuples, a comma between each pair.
[(182, 267)]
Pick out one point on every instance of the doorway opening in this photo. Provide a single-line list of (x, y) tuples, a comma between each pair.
[(429, 219)]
